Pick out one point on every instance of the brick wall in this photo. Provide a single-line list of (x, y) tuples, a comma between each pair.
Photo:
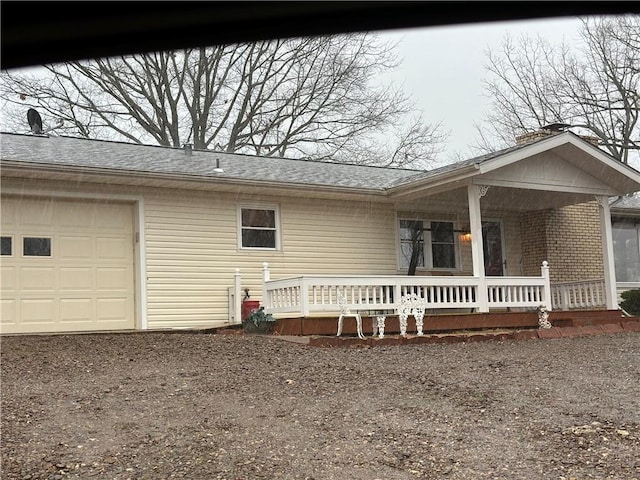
[(568, 238), (533, 231)]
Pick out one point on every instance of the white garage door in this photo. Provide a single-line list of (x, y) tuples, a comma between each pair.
[(66, 265)]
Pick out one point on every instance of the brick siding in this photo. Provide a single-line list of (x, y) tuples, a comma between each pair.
[(568, 238)]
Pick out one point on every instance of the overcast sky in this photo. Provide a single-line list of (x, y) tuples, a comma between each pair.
[(442, 69)]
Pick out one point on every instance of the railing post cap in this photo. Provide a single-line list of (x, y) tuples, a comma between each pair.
[(545, 263)]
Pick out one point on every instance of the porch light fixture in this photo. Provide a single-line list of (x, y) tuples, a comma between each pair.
[(465, 233)]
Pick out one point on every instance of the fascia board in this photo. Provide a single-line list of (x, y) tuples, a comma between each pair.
[(546, 187), (556, 141), (524, 152), (150, 179), (435, 184)]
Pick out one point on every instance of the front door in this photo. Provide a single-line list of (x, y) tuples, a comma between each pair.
[(492, 241)]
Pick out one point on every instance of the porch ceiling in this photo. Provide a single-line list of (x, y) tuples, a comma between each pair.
[(559, 171), (502, 199)]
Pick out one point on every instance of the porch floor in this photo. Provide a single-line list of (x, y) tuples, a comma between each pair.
[(321, 332), (434, 324)]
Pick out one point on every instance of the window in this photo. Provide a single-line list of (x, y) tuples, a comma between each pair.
[(6, 246), (258, 228), (434, 242), (443, 245), (626, 250), (411, 232), (36, 246)]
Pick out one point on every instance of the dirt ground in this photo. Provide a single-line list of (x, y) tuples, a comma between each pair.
[(206, 406)]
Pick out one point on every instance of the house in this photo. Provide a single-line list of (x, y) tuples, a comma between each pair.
[(100, 235)]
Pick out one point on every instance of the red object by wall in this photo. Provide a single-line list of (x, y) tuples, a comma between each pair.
[(248, 307)]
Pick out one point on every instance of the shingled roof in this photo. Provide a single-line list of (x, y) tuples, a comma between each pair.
[(73, 153), (99, 156)]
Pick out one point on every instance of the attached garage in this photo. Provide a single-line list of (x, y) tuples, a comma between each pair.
[(67, 265)]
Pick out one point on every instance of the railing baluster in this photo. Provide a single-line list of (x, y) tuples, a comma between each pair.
[(319, 293)]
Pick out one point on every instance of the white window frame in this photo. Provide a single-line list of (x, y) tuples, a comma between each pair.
[(13, 246), (277, 228), (50, 237), (427, 254), (634, 225)]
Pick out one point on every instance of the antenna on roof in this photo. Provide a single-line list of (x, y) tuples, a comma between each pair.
[(35, 122)]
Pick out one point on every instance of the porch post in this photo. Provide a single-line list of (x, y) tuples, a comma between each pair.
[(266, 276), (474, 192), (547, 300), (237, 300), (611, 293)]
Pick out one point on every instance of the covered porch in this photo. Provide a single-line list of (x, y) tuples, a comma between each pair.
[(524, 229), (310, 305)]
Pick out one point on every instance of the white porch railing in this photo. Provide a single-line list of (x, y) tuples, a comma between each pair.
[(307, 295), (579, 295)]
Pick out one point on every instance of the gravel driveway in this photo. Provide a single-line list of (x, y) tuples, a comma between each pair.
[(207, 406)]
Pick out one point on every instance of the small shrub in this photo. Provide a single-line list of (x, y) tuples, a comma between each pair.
[(631, 302), (259, 322)]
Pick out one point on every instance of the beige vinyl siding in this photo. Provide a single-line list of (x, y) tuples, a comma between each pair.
[(192, 250), (190, 245), (336, 238)]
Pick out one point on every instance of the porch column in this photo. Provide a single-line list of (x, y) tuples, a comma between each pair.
[(266, 276), (610, 288), (474, 193), (237, 297)]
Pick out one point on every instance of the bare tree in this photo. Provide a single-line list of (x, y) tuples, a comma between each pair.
[(308, 97), (593, 87), (417, 246)]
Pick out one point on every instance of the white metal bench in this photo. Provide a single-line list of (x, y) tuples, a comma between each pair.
[(410, 304)]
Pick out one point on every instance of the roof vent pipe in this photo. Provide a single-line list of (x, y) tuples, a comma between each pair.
[(188, 149), (218, 169)]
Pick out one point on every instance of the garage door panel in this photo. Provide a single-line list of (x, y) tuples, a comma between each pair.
[(112, 309), (38, 310), (8, 280), (38, 279), (71, 216), (35, 213), (111, 279), (9, 217), (74, 310), (75, 248), (8, 311), (111, 219), (113, 249), (77, 279), (88, 281)]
